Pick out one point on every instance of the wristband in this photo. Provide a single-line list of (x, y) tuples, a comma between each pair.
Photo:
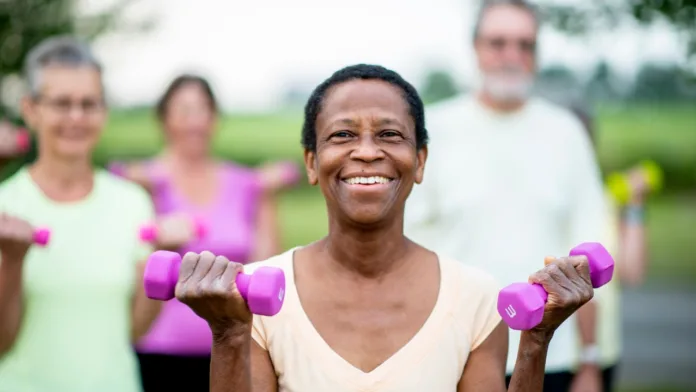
[(590, 355), (634, 214)]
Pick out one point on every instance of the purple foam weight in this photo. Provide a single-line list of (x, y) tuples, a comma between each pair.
[(42, 236), (148, 233), (23, 140), (521, 305), (264, 290)]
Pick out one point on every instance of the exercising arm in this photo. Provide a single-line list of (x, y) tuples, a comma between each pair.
[(267, 230), (633, 244), (11, 300)]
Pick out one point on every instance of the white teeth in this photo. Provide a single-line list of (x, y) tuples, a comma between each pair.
[(367, 180)]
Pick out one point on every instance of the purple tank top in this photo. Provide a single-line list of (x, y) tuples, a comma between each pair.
[(230, 220)]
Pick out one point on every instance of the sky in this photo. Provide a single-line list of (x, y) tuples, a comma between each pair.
[(252, 51)]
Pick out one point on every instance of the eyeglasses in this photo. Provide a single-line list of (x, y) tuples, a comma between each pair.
[(64, 106), (527, 46)]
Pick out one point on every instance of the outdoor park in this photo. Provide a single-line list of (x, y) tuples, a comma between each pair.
[(654, 118)]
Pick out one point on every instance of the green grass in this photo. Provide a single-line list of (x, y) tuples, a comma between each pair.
[(626, 135)]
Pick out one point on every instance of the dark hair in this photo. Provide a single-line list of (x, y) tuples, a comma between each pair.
[(488, 4), (363, 72), (178, 83)]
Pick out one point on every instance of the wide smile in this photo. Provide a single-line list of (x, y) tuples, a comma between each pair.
[(368, 182)]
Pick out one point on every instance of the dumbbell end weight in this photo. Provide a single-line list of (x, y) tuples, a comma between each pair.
[(42, 236), (600, 262), (148, 233), (161, 275), (23, 140)]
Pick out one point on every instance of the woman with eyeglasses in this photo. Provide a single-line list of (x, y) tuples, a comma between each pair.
[(234, 206), (71, 303)]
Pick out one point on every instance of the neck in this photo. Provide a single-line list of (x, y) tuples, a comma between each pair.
[(63, 180), (498, 105), (183, 162), (366, 252)]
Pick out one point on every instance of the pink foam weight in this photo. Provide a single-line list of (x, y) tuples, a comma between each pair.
[(42, 236), (264, 290), (148, 233), (23, 140), (521, 305)]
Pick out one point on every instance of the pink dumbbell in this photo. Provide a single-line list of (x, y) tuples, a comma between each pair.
[(23, 140), (264, 290), (149, 232), (521, 305), (42, 236)]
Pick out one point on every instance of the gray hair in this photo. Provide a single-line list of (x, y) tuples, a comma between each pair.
[(486, 5), (58, 50)]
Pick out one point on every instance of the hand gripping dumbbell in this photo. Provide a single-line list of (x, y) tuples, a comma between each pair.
[(521, 305), (263, 291), (42, 236), (149, 232), (620, 186)]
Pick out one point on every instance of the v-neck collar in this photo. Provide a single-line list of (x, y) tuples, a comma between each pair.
[(407, 357)]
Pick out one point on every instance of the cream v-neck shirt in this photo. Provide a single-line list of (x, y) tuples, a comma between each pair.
[(433, 360)]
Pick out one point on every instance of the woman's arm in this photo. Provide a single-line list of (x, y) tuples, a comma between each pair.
[(144, 310), (267, 230), (633, 245), (11, 300)]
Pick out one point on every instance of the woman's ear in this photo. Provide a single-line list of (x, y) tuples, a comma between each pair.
[(310, 158), (421, 156)]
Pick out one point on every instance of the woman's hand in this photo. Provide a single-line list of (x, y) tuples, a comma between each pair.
[(568, 284), (11, 144), (175, 231), (207, 284), (16, 236)]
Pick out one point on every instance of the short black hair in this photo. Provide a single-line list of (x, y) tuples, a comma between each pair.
[(179, 82), (364, 72)]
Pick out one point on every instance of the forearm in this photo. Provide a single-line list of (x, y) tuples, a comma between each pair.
[(528, 375), (633, 242), (230, 364), (144, 311), (587, 323), (10, 303)]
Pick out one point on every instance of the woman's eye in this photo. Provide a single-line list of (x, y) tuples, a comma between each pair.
[(341, 134), (389, 133)]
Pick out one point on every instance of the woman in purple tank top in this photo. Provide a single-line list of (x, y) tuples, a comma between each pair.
[(234, 204)]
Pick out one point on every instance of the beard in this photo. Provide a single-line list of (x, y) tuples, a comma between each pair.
[(508, 84)]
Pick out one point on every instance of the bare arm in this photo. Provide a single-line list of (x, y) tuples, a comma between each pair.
[(144, 310), (485, 368), (11, 302), (263, 377), (633, 245), (267, 231)]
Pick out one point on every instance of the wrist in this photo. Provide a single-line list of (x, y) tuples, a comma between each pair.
[(237, 333), (536, 339), (590, 356), (634, 214)]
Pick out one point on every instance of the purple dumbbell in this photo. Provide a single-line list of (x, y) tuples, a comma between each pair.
[(521, 305), (42, 236), (264, 290), (149, 232)]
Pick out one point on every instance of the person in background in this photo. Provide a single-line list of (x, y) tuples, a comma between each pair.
[(512, 174), (236, 204), (626, 240), (69, 311)]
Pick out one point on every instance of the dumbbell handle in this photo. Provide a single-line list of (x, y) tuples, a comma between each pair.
[(42, 236), (242, 280)]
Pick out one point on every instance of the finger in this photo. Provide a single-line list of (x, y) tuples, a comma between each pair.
[(582, 265), (218, 268), (228, 280), (205, 263), (557, 274), (188, 265), (548, 260), (543, 278)]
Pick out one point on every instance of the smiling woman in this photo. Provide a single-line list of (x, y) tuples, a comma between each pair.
[(367, 309)]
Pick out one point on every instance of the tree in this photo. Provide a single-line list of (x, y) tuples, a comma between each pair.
[(439, 85), (25, 23), (604, 15)]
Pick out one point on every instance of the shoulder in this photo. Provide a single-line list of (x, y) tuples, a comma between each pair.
[(128, 192), (13, 187), (559, 119), (469, 280), (282, 261)]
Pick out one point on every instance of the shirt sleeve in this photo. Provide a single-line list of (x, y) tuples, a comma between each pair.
[(258, 332), (143, 213), (486, 318), (589, 211)]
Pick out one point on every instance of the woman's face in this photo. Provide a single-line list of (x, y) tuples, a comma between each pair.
[(68, 114), (366, 160), (189, 120)]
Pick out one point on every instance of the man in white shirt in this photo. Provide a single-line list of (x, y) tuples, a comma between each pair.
[(511, 179)]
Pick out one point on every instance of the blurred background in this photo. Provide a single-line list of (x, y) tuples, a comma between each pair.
[(631, 65)]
